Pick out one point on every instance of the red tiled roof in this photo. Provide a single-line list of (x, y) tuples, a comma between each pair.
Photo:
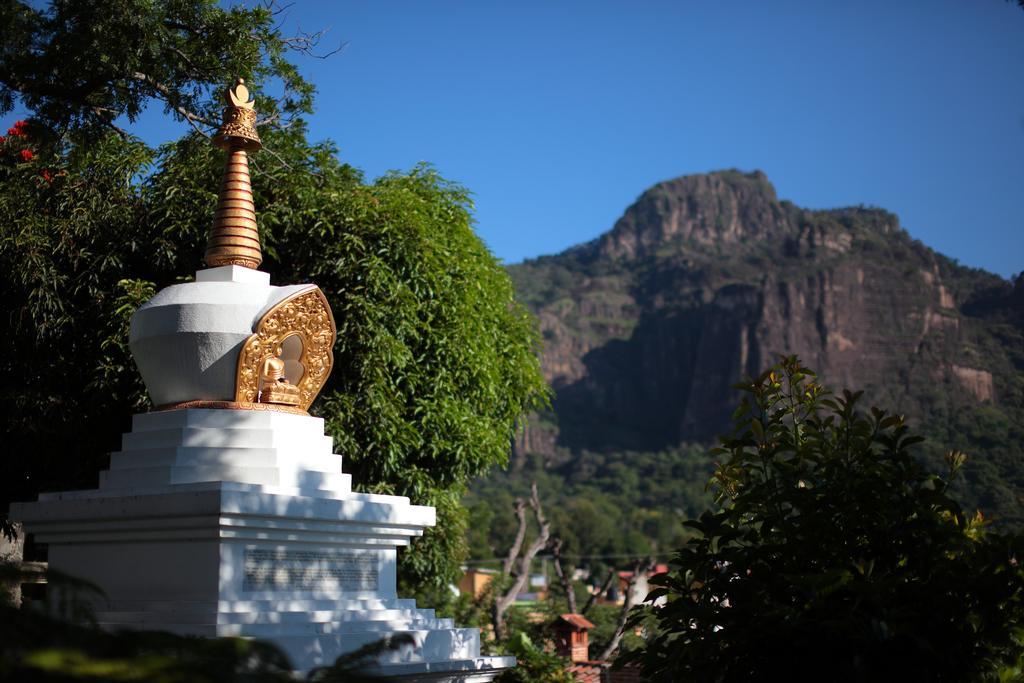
[(586, 672), (577, 620), (658, 569)]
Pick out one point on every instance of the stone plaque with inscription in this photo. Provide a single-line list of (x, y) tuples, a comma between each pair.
[(309, 570)]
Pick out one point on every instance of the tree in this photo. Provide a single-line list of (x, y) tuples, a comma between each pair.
[(642, 570), (515, 569), (434, 362), (833, 554), (564, 579), (84, 66)]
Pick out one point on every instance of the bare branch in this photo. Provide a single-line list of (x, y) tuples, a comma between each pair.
[(517, 544), (604, 589), (306, 43), (541, 541), (196, 70), (282, 163), (168, 97), (273, 118), (197, 128), (279, 158), (341, 46), (570, 593), (277, 8), (504, 601), (641, 570), (106, 117)]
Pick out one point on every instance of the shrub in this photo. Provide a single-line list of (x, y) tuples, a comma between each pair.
[(833, 554)]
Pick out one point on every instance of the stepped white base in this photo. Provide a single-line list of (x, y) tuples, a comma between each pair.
[(240, 523)]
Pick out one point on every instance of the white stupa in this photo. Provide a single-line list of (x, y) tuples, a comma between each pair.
[(226, 513)]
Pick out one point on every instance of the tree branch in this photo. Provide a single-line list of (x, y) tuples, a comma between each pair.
[(517, 544), (641, 569), (539, 543), (277, 8), (189, 116), (305, 43), (604, 589), (279, 159), (570, 593), (105, 117), (198, 72), (504, 601)]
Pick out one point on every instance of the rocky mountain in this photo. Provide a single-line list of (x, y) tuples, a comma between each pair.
[(706, 278)]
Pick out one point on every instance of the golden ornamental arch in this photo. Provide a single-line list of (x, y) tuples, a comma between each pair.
[(306, 316)]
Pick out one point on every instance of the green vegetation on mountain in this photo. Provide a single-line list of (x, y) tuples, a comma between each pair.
[(708, 278)]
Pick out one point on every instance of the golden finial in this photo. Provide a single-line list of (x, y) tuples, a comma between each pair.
[(234, 239)]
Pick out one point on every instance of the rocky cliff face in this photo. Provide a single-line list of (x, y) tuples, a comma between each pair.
[(709, 277)]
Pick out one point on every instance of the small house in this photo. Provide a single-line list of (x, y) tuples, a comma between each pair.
[(572, 637)]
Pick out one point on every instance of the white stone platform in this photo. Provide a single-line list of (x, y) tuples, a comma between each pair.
[(241, 523)]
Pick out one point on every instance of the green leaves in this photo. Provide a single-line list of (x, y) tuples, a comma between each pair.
[(435, 362), (83, 67), (833, 550)]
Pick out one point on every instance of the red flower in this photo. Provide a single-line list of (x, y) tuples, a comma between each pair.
[(47, 176), (27, 155), (2, 139), (19, 129)]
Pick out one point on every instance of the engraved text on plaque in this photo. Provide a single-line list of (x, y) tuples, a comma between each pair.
[(309, 570)]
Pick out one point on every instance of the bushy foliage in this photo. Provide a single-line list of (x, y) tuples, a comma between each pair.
[(434, 361), (606, 507), (528, 634), (833, 554), (85, 66), (68, 248), (533, 663)]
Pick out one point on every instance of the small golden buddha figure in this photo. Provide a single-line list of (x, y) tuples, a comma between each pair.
[(275, 387)]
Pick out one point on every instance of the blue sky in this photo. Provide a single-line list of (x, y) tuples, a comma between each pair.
[(558, 114)]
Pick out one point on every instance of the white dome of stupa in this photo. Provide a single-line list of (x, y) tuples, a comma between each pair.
[(187, 339)]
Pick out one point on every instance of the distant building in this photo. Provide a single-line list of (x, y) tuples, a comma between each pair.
[(475, 581), (572, 640), (536, 589), (642, 586)]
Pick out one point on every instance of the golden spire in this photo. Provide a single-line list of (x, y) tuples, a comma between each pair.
[(234, 240)]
